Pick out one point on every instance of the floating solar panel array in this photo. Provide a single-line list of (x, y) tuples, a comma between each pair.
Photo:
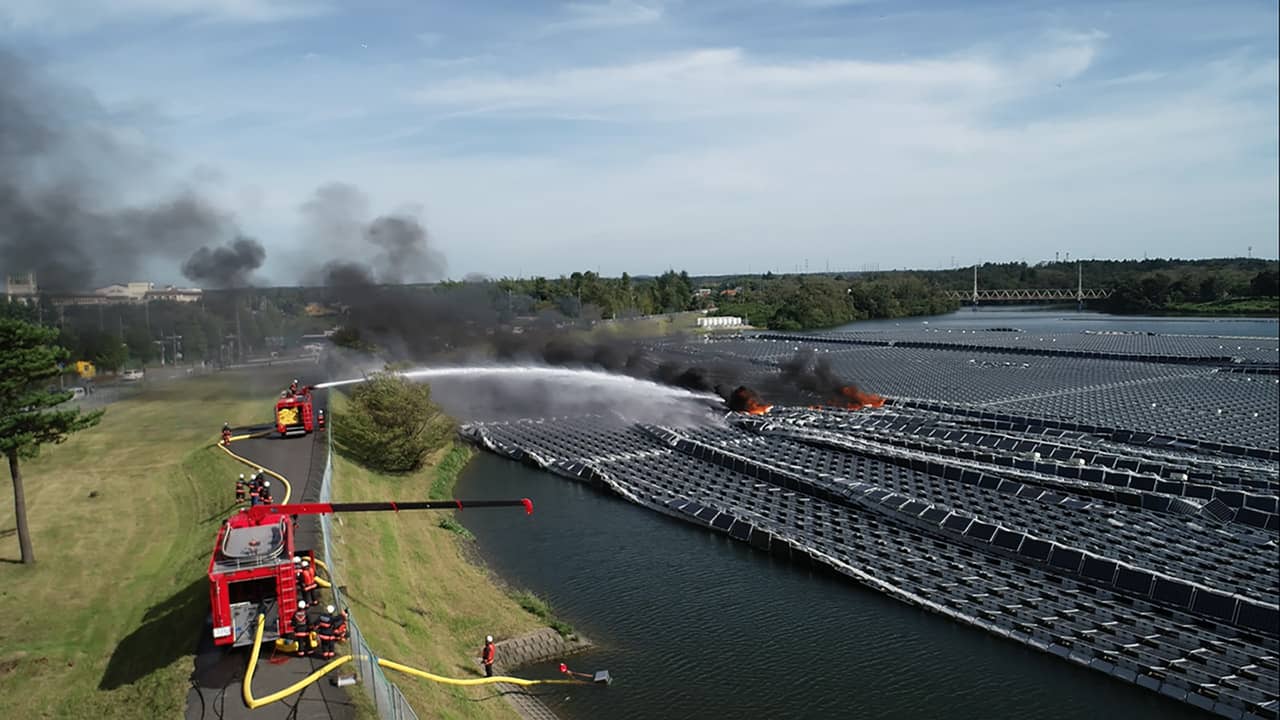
[(1228, 403), (1148, 556)]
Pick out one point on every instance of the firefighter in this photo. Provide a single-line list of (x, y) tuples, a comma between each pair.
[(340, 627), (487, 655), (293, 387), (226, 433), (302, 629), (309, 584), (242, 488), (264, 493), (297, 577), (320, 419), (324, 629), (255, 492)]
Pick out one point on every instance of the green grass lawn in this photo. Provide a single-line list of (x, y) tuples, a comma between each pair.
[(414, 594), (106, 623), (1264, 307)]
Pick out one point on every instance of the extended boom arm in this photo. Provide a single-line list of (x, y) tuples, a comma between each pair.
[(260, 512)]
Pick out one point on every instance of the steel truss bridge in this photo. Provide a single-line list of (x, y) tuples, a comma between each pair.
[(1031, 295)]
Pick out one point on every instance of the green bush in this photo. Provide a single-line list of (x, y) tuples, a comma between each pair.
[(541, 609), (457, 528), (390, 425)]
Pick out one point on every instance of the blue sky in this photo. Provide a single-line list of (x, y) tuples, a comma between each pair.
[(544, 137)]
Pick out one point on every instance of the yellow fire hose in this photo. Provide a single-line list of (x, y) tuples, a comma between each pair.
[(254, 703), (288, 489)]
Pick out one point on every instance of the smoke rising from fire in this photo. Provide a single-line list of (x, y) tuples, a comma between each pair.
[(62, 214), (388, 249), (227, 266)]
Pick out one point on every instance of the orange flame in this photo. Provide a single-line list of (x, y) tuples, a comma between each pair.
[(744, 400), (856, 398)]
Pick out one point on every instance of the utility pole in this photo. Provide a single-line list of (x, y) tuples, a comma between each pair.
[(239, 337), (1079, 286), (975, 285)]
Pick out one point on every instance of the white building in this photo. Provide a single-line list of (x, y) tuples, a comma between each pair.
[(719, 321), (21, 287), (129, 292), (175, 294)]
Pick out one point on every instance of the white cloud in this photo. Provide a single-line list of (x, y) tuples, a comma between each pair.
[(608, 14), (1137, 78), (727, 82), (60, 16)]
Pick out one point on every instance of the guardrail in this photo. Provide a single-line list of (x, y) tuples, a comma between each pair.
[(387, 698)]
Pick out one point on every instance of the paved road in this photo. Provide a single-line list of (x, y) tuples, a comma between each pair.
[(216, 680)]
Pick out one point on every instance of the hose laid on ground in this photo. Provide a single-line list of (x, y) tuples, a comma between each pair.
[(278, 695), (288, 489), (255, 703)]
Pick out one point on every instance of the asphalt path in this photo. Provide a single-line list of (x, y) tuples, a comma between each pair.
[(218, 675)]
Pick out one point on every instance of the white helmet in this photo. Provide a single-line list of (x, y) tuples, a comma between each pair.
[(302, 604), (306, 564), (488, 638), (329, 609), (296, 559), (241, 476), (266, 483)]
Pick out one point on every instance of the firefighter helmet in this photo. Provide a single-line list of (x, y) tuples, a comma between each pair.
[(302, 604), (488, 638), (266, 483), (329, 609)]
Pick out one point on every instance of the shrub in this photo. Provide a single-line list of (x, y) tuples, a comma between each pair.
[(390, 425)]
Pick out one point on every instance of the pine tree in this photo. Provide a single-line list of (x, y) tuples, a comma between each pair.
[(29, 357)]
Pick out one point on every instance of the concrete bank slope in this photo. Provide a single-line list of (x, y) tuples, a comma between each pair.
[(218, 674), (541, 645)]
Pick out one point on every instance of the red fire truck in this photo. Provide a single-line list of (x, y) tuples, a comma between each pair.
[(294, 413), (252, 570)]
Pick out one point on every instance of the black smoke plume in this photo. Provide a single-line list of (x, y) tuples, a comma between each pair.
[(812, 374), (225, 267), (387, 250), (62, 214)]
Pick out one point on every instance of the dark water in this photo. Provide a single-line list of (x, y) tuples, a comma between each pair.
[(692, 624)]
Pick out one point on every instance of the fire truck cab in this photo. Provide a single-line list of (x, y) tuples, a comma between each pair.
[(294, 413)]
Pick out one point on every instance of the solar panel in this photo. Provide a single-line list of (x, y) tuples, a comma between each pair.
[(1066, 558), (1134, 581)]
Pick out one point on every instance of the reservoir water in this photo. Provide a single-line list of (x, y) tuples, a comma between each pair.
[(692, 624)]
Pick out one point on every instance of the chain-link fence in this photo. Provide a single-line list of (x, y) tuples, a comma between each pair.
[(387, 698)]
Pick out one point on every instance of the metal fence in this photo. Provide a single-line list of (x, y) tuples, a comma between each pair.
[(387, 698)]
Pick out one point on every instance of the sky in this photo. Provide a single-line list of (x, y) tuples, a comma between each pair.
[(716, 136)]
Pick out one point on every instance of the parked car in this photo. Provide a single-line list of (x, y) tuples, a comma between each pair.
[(77, 392), (131, 375)]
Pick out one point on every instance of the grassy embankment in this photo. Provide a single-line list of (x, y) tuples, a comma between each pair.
[(1253, 307), (106, 623), (414, 593)]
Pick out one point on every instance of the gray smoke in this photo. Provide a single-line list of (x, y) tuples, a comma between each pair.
[(389, 249), (229, 266), (61, 212)]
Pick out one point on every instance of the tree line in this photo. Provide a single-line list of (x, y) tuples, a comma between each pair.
[(805, 302), (1149, 285)]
